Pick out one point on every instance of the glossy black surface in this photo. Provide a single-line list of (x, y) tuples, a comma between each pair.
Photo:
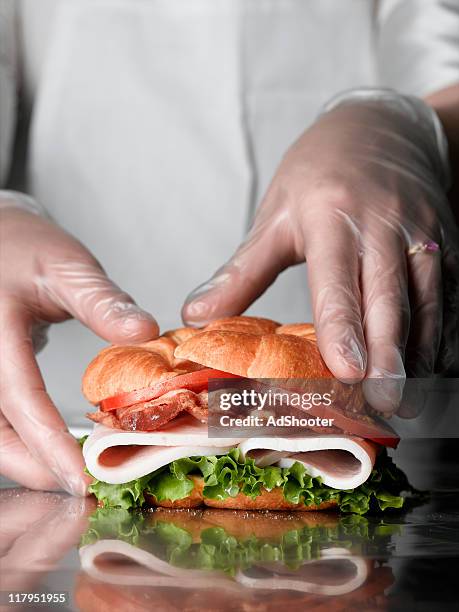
[(405, 561)]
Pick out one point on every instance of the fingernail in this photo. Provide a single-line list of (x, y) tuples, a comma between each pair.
[(384, 394), (420, 364), (127, 311), (200, 290), (448, 354), (133, 325), (352, 356), (196, 310), (206, 287), (65, 461), (70, 484), (449, 359), (199, 311)]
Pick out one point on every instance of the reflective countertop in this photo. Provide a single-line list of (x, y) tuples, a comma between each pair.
[(220, 560)]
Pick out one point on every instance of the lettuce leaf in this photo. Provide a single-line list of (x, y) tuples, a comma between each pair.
[(82, 440), (167, 486), (225, 476), (126, 495)]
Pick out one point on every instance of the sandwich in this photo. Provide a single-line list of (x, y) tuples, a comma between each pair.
[(218, 559), (151, 447)]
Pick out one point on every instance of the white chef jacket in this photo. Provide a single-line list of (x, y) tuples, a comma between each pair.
[(156, 126)]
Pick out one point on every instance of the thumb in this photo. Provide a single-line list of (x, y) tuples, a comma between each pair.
[(233, 288), (82, 289)]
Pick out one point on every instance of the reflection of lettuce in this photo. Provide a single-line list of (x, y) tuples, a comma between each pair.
[(230, 474), (216, 549), (109, 523)]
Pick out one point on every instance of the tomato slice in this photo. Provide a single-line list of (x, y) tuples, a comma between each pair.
[(358, 424), (193, 381), (363, 426)]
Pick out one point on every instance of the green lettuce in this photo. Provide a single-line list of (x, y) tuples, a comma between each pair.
[(109, 523), (82, 440), (127, 495), (225, 476)]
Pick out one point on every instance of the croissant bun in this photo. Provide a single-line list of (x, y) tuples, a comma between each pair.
[(247, 346)]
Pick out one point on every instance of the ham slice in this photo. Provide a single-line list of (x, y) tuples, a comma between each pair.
[(116, 456), (343, 462)]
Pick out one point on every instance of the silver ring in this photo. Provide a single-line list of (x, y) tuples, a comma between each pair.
[(429, 246)]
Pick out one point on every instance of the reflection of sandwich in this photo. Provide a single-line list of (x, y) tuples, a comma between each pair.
[(151, 444), (214, 557)]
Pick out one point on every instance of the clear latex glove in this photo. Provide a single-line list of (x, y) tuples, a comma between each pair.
[(352, 196), (46, 277)]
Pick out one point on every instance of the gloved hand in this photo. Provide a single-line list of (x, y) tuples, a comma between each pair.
[(46, 277), (361, 197)]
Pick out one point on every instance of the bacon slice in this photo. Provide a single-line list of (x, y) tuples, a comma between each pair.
[(149, 416)]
